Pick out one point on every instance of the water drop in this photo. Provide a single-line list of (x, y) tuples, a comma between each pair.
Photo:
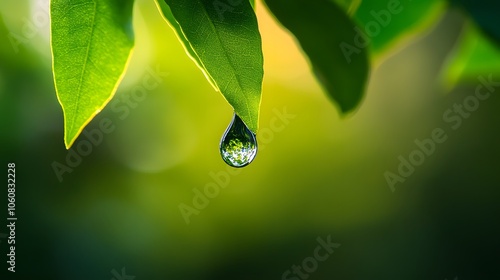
[(238, 146)]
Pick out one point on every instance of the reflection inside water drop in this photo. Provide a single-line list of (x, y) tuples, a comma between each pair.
[(238, 146)]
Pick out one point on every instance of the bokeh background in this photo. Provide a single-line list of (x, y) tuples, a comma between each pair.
[(318, 175)]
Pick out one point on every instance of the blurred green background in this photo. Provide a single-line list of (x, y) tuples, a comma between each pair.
[(317, 175)]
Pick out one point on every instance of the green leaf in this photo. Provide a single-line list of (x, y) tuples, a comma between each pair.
[(485, 14), (172, 22), (474, 56), (349, 6), (91, 44), (389, 22), (223, 39), (326, 35)]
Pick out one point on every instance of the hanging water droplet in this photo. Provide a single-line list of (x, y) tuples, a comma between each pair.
[(238, 146)]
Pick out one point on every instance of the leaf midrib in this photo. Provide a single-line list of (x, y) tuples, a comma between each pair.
[(212, 26), (78, 92)]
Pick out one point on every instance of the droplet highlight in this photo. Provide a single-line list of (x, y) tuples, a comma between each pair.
[(238, 146)]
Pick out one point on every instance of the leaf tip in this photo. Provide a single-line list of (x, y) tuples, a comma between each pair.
[(345, 112), (70, 135), (68, 142)]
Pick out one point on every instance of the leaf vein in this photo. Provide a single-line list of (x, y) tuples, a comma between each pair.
[(84, 68)]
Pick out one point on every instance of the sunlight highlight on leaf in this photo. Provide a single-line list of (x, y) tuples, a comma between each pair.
[(475, 55)]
